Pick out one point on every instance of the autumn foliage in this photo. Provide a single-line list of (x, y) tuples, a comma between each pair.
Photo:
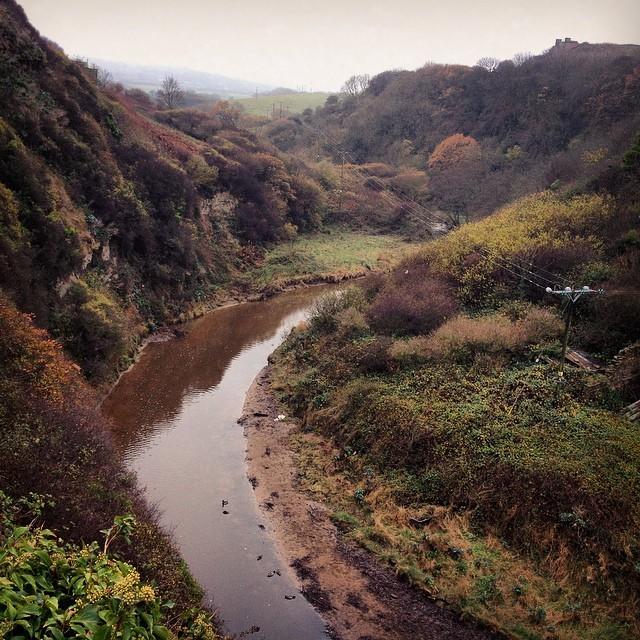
[(559, 118), (54, 442), (31, 359), (108, 209), (454, 151)]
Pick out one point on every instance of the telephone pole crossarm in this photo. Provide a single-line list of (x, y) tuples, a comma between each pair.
[(574, 294)]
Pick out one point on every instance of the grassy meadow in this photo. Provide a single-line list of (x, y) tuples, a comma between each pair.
[(296, 102), (334, 253)]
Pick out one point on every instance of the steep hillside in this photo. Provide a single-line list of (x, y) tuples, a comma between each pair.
[(468, 459), (113, 222), (476, 139), (59, 470)]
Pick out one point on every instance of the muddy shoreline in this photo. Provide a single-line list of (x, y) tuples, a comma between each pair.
[(358, 597)]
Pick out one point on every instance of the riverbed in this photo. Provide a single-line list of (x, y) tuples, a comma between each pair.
[(175, 414)]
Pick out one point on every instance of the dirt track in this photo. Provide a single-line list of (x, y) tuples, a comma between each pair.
[(359, 598)]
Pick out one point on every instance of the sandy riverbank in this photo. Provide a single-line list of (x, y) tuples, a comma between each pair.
[(359, 598)]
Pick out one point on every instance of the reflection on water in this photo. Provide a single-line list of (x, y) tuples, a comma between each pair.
[(175, 418)]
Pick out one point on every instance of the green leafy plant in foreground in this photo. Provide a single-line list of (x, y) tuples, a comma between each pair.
[(53, 590), (58, 591)]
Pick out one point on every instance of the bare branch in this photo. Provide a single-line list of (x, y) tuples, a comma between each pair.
[(170, 94)]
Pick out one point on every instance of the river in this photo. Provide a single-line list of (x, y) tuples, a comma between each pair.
[(175, 414)]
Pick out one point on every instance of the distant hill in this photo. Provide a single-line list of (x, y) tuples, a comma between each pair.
[(481, 137), (150, 78), (292, 102)]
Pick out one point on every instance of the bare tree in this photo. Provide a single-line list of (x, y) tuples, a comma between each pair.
[(356, 85), (170, 94), (363, 82), (490, 64), (104, 78), (522, 57)]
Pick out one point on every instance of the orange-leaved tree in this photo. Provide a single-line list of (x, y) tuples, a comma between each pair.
[(455, 170)]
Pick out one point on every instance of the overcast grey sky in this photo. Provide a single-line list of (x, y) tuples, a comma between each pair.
[(321, 43)]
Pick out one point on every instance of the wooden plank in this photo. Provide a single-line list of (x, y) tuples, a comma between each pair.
[(632, 412), (581, 359)]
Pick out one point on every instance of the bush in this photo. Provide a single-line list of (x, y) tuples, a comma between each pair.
[(410, 352), (351, 323), (79, 591), (419, 307), (560, 234), (54, 441), (306, 205), (365, 417), (56, 590), (462, 337), (370, 355), (325, 311), (94, 329)]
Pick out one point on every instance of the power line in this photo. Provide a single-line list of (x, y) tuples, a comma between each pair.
[(419, 210), (540, 277), (622, 292), (572, 296), (554, 275), (394, 196), (500, 265)]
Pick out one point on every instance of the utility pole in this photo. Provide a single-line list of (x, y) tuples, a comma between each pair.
[(572, 296)]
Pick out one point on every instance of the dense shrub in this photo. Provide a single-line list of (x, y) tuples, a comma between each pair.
[(54, 442), (608, 323), (94, 329), (366, 419), (351, 323), (306, 205), (462, 337), (368, 354), (57, 590), (80, 592), (325, 314), (412, 308), (537, 124)]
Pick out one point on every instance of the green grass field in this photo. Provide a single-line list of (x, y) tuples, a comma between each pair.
[(333, 252), (296, 102)]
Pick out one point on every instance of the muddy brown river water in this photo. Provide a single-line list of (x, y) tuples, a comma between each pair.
[(175, 418)]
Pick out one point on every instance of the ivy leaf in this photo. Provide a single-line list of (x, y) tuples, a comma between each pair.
[(88, 617), (56, 633)]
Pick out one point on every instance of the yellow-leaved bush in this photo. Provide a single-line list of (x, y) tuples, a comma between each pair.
[(518, 232)]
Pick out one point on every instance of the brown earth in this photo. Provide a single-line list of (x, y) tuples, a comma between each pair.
[(359, 597)]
